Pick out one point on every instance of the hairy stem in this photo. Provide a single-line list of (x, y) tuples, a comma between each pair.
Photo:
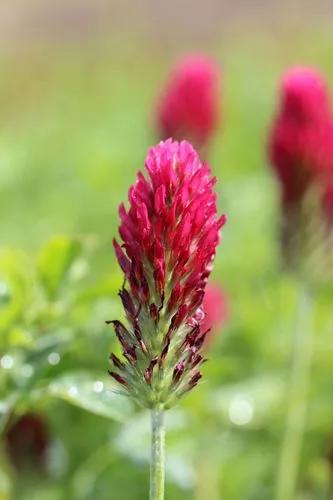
[(157, 464), (298, 397)]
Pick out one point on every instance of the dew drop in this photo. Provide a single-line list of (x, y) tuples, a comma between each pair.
[(53, 358), (72, 391), (241, 410), (7, 362), (98, 386)]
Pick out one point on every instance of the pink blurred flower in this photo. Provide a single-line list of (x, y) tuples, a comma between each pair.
[(301, 153), (169, 233), (189, 105), (215, 307), (301, 143)]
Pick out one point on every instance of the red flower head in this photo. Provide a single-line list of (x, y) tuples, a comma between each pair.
[(215, 308), (26, 441), (301, 153), (169, 233), (301, 145), (189, 106)]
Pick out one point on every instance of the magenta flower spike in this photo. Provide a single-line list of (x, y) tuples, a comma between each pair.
[(301, 154), (189, 105), (169, 237), (301, 142)]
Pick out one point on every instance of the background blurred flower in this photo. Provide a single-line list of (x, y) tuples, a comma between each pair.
[(301, 143), (189, 105), (301, 154), (216, 309), (27, 441)]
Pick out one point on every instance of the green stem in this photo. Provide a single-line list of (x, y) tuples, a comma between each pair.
[(298, 397), (157, 465)]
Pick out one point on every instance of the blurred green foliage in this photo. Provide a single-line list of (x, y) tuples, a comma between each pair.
[(75, 129)]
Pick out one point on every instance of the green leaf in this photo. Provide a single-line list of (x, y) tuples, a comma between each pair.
[(16, 286), (5, 483), (54, 262), (7, 406), (96, 395)]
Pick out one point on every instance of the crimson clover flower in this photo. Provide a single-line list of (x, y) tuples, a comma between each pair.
[(169, 237), (301, 154), (301, 143), (189, 105)]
